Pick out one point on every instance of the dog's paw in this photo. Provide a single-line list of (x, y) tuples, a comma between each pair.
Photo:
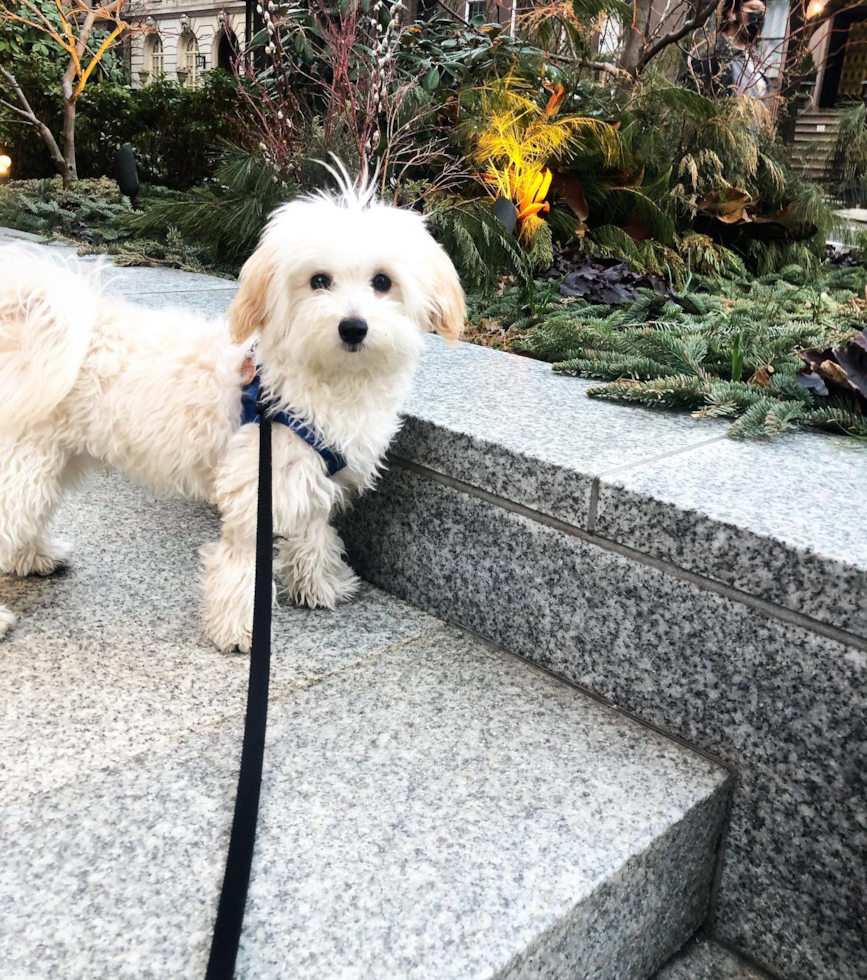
[(326, 591), (230, 637), (42, 558), (7, 621)]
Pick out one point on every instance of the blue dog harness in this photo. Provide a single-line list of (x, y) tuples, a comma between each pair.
[(250, 412)]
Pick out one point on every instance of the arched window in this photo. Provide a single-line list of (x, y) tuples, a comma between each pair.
[(154, 57), (189, 60), (226, 49)]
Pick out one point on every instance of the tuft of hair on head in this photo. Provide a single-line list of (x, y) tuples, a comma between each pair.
[(353, 193)]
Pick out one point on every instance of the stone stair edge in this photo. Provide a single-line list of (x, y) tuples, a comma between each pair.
[(665, 501), (686, 831)]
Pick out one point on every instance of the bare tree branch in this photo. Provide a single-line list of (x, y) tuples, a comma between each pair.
[(14, 108), (605, 66), (78, 20), (700, 15), (27, 112)]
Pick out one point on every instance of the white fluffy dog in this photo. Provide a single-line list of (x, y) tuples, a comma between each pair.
[(338, 295)]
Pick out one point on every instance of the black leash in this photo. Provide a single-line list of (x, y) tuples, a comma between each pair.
[(233, 897)]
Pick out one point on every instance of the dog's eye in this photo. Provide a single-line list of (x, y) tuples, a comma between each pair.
[(320, 281), (381, 282)]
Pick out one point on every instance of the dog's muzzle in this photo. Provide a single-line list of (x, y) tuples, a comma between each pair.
[(352, 332)]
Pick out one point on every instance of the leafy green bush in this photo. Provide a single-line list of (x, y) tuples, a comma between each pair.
[(225, 217), (175, 131), (449, 56), (694, 183)]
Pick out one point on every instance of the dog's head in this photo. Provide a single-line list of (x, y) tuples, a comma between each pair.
[(342, 285)]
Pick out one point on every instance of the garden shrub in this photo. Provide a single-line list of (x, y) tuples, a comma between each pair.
[(178, 131), (92, 210), (732, 351), (174, 130)]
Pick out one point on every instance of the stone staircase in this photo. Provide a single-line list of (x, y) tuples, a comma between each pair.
[(435, 805), (685, 577), (815, 138), (432, 807)]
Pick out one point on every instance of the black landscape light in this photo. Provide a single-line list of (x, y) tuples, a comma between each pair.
[(125, 172), (506, 213)]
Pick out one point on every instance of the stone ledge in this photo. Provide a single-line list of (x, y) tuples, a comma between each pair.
[(776, 520), (702, 959)]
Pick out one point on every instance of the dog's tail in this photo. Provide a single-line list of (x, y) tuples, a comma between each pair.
[(47, 312)]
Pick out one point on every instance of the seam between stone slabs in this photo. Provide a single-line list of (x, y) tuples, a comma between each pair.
[(709, 585), (286, 691), (597, 480), (753, 964), (722, 843)]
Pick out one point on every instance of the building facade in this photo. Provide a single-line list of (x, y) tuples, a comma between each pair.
[(839, 52), (188, 38)]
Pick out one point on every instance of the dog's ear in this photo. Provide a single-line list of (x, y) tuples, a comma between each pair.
[(248, 311), (449, 311)]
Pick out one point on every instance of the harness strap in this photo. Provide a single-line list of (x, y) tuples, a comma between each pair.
[(251, 412), (233, 897)]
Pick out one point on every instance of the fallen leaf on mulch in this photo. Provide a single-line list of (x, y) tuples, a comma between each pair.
[(838, 370), (762, 377), (601, 280)]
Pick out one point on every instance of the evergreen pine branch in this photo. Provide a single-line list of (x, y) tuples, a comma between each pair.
[(605, 364), (680, 391)]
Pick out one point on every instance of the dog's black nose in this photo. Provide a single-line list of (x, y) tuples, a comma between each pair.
[(352, 331)]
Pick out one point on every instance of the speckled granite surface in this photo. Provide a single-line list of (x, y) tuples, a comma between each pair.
[(702, 959), (109, 658), (206, 302), (430, 809), (778, 520), (753, 515), (784, 705), (509, 425)]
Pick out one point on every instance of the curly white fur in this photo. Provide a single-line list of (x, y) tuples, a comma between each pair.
[(156, 393)]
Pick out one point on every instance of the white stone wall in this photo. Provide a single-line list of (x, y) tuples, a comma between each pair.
[(203, 22)]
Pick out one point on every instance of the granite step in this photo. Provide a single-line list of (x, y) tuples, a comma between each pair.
[(715, 588), (747, 514), (703, 959), (432, 808)]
